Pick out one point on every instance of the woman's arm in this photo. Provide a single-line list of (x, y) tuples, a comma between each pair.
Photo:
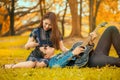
[(31, 43), (62, 47)]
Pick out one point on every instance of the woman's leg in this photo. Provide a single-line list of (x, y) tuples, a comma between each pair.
[(41, 64), (100, 56), (27, 64)]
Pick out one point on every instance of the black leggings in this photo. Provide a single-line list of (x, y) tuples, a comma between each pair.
[(100, 56)]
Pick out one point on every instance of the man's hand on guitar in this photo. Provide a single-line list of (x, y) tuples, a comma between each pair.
[(93, 37), (78, 50)]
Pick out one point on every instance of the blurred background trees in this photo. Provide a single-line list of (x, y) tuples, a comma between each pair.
[(19, 17)]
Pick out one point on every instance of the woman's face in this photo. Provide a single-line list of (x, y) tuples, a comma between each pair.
[(47, 24)]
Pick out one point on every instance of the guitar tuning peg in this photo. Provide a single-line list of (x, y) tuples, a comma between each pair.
[(103, 24)]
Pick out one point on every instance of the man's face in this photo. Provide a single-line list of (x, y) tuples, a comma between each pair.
[(48, 51)]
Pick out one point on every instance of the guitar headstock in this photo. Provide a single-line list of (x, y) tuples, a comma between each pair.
[(100, 25), (103, 24)]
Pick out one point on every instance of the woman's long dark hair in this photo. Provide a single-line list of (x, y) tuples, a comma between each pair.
[(55, 35)]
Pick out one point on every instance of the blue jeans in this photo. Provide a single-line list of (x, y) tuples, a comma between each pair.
[(61, 60)]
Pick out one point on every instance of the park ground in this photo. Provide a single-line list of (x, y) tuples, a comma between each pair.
[(12, 51)]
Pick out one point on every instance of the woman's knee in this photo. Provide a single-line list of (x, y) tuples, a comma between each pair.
[(31, 64)]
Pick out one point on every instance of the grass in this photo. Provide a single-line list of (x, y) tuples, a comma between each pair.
[(106, 73), (12, 51)]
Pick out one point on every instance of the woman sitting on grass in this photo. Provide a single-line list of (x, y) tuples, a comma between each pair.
[(47, 34)]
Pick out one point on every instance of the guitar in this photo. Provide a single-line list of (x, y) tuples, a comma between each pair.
[(82, 59)]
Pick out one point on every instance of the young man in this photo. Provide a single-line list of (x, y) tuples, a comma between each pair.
[(99, 57)]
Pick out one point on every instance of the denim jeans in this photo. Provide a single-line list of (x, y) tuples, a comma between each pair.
[(61, 59)]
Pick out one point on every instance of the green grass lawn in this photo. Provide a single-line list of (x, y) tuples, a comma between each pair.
[(12, 51)]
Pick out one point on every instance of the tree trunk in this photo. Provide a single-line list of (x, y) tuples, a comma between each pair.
[(63, 19), (96, 11), (93, 13), (12, 32), (75, 18), (81, 17), (91, 3), (44, 6), (0, 28), (41, 8)]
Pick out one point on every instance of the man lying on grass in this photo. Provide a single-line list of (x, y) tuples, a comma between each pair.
[(99, 56)]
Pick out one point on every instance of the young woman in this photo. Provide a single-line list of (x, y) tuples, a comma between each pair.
[(99, 57), (46, 35)]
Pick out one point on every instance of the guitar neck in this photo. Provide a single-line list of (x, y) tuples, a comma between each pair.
[(89, 37)]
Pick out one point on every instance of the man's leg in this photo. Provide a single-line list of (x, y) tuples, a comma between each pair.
[(110, 36), (100, 56), (103, 60)]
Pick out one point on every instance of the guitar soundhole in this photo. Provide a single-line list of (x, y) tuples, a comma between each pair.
[(82, 47), (81, 54)]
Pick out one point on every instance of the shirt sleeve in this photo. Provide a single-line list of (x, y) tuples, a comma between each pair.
[(33, 33)]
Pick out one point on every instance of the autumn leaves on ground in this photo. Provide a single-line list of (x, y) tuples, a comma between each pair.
[(12, 51)]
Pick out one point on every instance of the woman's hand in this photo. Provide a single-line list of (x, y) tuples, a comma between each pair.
[(62, 47), (31, 43)]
